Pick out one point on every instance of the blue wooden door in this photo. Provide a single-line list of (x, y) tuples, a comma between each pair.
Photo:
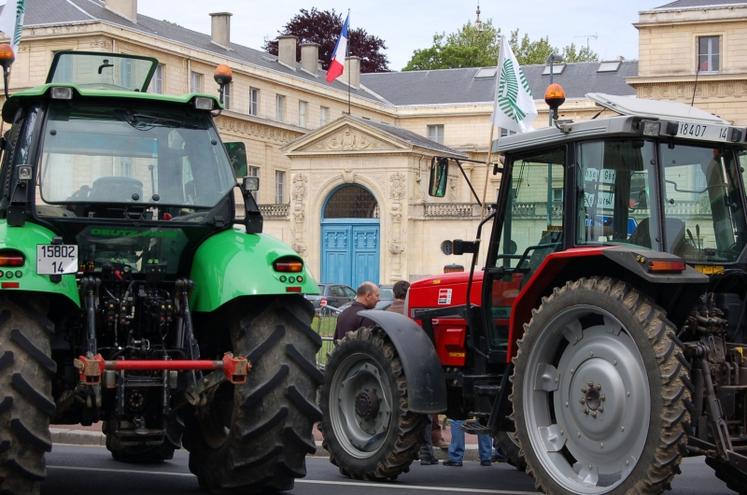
[(350, 251)]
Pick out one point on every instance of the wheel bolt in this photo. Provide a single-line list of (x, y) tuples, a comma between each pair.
[(603, 397)]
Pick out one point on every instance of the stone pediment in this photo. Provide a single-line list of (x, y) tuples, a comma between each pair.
[(345, 136)]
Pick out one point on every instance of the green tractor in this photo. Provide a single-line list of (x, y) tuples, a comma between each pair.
[(132, 293)]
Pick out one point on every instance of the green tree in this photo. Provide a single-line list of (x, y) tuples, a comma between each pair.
[(478, 47), (584, 54), (469, 47)]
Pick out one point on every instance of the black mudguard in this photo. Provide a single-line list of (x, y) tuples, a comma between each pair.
[(426, 383)]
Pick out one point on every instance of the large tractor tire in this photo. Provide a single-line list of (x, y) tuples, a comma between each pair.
[(254, 437), (368, 429), (733, 477), (26, 403), (599, 392), (507, 444)]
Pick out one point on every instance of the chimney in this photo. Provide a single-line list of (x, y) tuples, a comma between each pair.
[(220, 29), (287, 50), (124, 8), (352, 64), (310, 57)]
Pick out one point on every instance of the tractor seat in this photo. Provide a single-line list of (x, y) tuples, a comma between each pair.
[(116, 189), (674, 229)]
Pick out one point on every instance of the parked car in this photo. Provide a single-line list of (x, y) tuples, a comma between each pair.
[(386, 296), (334, 295)]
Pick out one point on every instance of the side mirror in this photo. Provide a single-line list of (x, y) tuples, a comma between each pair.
[(250, 184), (438, 177), (458, 246), (237, 156)]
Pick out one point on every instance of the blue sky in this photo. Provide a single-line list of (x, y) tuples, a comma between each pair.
[(407, 25)]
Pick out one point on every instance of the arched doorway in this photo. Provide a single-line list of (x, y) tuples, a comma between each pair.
[(350, 236)]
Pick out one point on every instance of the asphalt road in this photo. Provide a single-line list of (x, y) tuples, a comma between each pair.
[(73, 469)]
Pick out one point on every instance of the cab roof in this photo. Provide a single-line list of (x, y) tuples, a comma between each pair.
[(44, 91), (637, 117)]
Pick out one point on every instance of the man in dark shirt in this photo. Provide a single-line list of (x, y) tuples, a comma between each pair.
[(366, 297)]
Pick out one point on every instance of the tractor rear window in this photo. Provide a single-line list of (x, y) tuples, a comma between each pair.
[(131, 156)]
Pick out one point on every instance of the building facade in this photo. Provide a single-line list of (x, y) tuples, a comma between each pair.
[(693, 51), (343, 167)]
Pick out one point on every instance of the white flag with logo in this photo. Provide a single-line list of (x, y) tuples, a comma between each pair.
[(11, 21), (514, 106)]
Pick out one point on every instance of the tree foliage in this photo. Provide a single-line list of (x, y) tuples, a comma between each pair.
[(478, 47), (323, 27)]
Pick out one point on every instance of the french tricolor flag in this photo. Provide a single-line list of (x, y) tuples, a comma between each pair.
[(337, 64)]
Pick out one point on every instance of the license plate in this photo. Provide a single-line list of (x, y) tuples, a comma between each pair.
[(710, 132), (56, 259)]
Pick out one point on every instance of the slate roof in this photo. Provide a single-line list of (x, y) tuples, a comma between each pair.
[(461, 86), (448, 86), (40, 12), (684, 4)]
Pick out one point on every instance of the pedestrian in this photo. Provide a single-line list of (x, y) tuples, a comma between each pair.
[(400, 292), (366, 297), (456, 446)]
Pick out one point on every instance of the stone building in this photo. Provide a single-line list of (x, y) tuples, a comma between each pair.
[(693, 51), (344, 185)]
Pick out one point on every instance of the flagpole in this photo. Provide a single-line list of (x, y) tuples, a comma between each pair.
[(347, 59), (492, 129)]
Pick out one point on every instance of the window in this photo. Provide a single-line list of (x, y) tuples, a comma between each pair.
[(323, 116), (533, 226), (156, 83), (303, 109), (280, 108), (227, 95), (253, 101), (703, 219), (614, 193), (708, 54), (436, 133), (279, 186), (195, 82)]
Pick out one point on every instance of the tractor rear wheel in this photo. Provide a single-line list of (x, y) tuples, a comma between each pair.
[(368, 430), (26, 402), (599, 391), (733, 477), (254, 437), (507, 444)]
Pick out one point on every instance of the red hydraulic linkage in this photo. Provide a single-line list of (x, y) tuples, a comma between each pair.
[(236, 369)]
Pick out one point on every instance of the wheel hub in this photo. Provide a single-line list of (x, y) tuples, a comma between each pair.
[(592, 399), (367, 403)]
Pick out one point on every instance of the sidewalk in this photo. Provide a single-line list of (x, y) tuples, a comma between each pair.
[(92, 435)]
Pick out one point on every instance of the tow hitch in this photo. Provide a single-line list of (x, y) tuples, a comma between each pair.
[(235, 369)]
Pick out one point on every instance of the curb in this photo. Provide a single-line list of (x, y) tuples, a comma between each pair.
[(98, 439)]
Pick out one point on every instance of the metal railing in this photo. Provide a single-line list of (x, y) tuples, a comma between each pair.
[(324, 322)]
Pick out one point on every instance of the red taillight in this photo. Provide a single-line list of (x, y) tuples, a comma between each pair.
[(11, 257), (664, 266), (288, 265), (10, 285), (292, 289)]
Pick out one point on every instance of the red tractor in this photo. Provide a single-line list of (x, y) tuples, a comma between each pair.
[(604, 333)]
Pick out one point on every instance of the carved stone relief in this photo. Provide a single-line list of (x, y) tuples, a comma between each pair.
[(397, 189), (348, 139)]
